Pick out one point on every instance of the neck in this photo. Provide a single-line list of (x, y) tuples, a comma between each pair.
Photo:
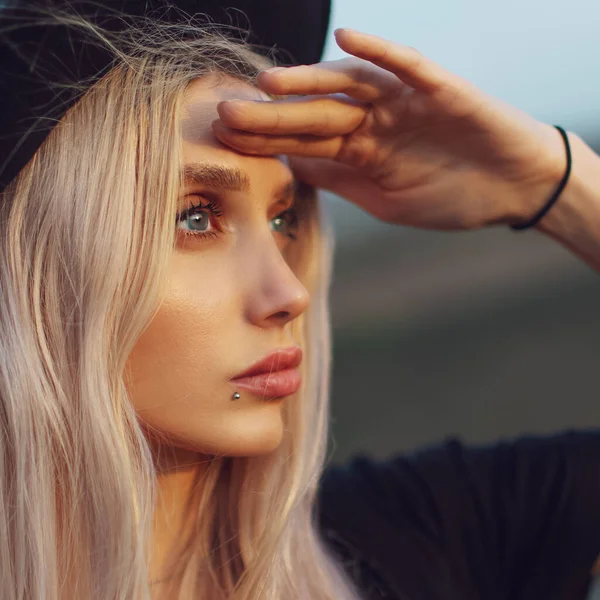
[(178, 472)]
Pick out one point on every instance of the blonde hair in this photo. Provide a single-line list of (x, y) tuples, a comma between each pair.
[(86, 234)]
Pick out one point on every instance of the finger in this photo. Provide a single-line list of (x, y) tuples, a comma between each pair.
[(354, 77), (324, 116), (406, 62), (258, 143)]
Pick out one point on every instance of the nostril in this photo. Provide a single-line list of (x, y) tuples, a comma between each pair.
[(282, 315)]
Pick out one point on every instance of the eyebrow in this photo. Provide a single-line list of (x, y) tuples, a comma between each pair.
[(226, 178)]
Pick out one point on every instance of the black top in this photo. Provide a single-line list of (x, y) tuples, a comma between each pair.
[(518, 520)]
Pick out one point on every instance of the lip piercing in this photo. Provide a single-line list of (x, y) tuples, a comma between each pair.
[(236, 396)]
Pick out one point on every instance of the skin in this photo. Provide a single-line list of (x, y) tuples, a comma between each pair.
[(230, 302)]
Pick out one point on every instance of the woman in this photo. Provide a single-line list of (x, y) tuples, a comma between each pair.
[(148, 273)]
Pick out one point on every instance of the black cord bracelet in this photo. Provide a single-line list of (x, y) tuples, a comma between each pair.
[(558, 191)]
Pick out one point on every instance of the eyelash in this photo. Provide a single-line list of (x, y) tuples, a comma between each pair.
[(215, 209), (211, 206)]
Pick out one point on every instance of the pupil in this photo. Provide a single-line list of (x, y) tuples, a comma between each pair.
[(196, 218)]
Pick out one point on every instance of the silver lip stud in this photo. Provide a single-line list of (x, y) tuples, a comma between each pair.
[(236, 396)]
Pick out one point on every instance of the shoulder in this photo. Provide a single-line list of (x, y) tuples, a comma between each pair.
[(464, 511), (532, 465), (570, 459)]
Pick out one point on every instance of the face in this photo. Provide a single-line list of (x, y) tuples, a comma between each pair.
[(231, 294)]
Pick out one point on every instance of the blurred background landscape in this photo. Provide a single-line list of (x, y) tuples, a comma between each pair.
[(484, 334)]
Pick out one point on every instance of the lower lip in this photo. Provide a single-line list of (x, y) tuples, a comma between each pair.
[(271, 385)]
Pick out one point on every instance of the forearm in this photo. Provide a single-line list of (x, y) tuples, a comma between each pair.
[(574, 220)]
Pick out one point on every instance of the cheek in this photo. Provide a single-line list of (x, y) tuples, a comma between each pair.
[(178, 365)]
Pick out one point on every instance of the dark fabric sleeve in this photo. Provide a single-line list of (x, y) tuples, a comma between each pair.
[(519, 519)]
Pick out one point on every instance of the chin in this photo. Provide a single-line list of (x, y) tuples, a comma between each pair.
[(254, 438), (241, 434)]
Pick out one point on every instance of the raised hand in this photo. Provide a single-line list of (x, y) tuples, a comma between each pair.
[(400, 136)]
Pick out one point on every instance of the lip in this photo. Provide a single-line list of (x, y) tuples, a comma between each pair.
[(284, 358), (275, 376)]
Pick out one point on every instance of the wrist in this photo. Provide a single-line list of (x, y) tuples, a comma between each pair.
[(544, 176), (574, 220)]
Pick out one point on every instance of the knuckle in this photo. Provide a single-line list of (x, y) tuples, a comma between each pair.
[(382, 56), (276, 119), (318, 75), (234, 112), (322, 125), (415, 57), (351, 153)]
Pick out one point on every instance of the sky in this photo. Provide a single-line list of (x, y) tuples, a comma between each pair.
[(540, 55)]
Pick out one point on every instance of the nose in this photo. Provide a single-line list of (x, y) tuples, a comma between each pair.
[(275, 295)]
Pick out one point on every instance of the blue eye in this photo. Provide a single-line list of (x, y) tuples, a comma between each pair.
[(199, 221), (286, 222)]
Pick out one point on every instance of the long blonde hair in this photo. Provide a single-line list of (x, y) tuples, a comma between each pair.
[(86, 234)]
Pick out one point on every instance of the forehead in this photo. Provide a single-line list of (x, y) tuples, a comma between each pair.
[(199, 110), (200, 103)]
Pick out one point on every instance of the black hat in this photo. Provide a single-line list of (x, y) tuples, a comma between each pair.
[(34, 57)]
